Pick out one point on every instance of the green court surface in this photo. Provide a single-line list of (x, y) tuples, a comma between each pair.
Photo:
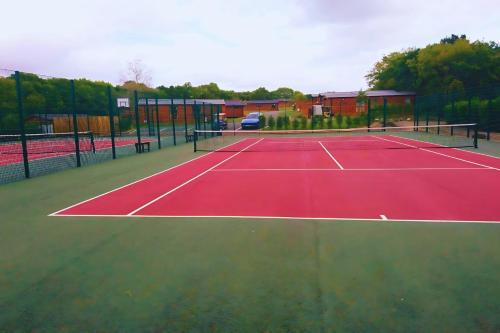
[(232, 275)]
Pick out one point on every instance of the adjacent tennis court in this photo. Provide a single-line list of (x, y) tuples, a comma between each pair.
[(366, 176)]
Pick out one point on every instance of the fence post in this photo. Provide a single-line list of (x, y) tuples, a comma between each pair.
[(217, 108), (368, 116), (185, 120), (111, 122), (75, 123), (137, 122), (20, 111), (157, 122), (204, 119), (439, 105), (212, 118), (384, 121), (489, 122), (173, 113), (469, 111), (427, 119), (452, 113), (146, 115)]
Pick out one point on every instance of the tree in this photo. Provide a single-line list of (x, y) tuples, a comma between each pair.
[(137, 73)]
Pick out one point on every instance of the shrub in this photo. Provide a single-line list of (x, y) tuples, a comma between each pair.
[(295, 123), (329, 123), (319, 122), (262, 121), (279, 123), (340, 120), (271, 123), (303, 122), (286, 122), (348, 121)]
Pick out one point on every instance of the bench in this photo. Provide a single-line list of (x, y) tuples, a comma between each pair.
[(141, 147)]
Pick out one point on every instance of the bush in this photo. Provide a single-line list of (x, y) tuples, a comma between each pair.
[(279, 123), (286, 122), (340, 120), (329, 123), (295, 123), (348, 121), (319, 122), (262, 121), (271, 123), (125, 123), (303, 122)]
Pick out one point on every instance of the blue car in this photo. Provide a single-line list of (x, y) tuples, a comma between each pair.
[(251, 121)]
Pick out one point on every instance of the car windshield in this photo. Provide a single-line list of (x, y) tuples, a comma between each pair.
[(253, 115)]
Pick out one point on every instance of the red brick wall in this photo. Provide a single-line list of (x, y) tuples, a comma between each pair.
[(254, 107), (347, 105)]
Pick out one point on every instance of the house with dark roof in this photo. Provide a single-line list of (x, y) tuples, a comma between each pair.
[(346, 103), (235, 109)]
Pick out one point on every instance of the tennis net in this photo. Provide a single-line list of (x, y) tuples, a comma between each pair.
[(47, 143), (431, 136)]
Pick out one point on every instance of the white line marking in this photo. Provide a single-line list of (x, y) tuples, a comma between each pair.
[(192, 179), (440, 145), (137, 181), (435, 152), (383, 217), (333, 158), (336, 169), (281, 218)]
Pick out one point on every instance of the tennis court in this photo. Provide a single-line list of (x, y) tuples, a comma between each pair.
[(46, 146), (374, 175)]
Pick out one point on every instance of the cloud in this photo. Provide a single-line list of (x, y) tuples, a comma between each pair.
[(313, 45)]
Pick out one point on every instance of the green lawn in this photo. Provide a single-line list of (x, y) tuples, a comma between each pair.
[(225, 275)]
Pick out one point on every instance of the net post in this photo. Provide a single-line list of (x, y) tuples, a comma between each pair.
[(185, 120), (20, 111), (173, 113), (384, 121), (137, 121), (475, 134), (92, 141), (111, 122), (75, 123), (157, 112), (427, 119), (195, 140)]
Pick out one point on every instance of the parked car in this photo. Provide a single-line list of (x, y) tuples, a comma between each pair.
[(251, 121), (221, 124)]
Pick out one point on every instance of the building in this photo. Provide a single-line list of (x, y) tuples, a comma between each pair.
[(183, 108), (235, 109), (346, 103), (263, 105)]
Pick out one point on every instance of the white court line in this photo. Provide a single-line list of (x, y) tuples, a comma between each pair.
[(192, 179), (139, 180), (333, 158), (282, 218), (440, 145), (344, 170), (383, 217), (435, 152)]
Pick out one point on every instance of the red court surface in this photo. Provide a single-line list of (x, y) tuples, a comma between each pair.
[(372, 177), (12, 153)]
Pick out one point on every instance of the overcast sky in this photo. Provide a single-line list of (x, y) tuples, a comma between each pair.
[(310, 45)]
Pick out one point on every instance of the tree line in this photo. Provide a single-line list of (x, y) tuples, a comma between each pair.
[(453, 64)]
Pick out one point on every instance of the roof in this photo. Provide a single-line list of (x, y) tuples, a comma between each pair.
[(369, 93), (264, 101), (235, 103), (178, 101)]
